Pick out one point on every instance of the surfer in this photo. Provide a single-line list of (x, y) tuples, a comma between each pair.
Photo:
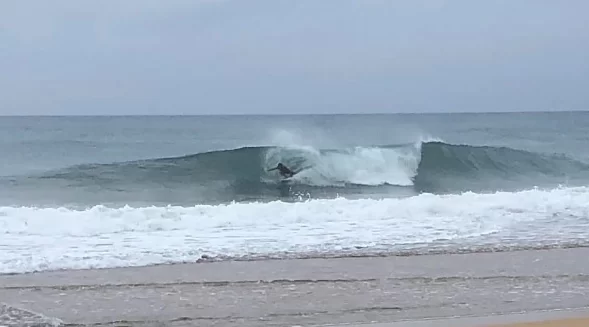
[(284, 171)]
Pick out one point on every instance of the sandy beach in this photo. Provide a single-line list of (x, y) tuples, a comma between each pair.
[(580, 322), (420, 290)]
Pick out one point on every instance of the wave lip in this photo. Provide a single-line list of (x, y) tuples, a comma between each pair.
[(99, 237)]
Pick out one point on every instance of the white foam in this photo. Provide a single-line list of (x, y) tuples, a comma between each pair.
[(365, 166), (41, 239), (359, 165), (356, 165)]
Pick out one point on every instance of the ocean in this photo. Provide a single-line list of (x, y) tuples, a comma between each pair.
[(98, 192)]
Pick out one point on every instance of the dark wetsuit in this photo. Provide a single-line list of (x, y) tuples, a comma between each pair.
[(284, 171)]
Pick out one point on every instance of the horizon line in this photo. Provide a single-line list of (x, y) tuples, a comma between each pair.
[(296, 114)]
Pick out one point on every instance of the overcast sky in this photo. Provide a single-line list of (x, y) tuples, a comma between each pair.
[(274, 56)]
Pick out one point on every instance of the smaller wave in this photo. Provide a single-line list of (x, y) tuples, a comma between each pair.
[(101, 236)]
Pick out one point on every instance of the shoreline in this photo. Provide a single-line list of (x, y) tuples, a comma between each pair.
[(572, 322), (390, 291), (578, 317), (417, 252)]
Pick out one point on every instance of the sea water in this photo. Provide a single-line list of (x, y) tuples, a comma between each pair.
[(96, 192)]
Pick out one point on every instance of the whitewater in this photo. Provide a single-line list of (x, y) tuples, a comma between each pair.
[(115, 202), (38, 239)]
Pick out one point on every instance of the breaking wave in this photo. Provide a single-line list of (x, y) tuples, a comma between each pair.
[(242, 174)]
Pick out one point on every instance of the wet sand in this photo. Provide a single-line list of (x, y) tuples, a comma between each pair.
[(386, 291), (574, 322)]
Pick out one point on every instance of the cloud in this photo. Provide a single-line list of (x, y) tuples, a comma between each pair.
[(291, 56)]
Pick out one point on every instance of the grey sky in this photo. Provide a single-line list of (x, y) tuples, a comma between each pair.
[(287, 56)]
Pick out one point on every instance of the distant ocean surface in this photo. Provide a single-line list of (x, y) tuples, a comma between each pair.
[(96, 192)]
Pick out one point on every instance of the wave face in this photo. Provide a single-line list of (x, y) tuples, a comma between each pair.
[(450, 168), (241, 174)]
